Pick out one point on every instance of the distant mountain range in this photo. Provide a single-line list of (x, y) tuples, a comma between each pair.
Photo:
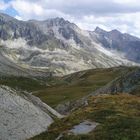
[(58, 47)]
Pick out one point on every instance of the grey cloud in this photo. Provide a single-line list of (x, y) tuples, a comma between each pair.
[(84, 7)]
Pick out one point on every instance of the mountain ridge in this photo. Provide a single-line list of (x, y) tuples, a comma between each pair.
[(61, 47)]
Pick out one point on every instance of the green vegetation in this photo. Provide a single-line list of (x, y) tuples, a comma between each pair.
[(58, 90), (22, 83), (136, 91), (78, 85), (118, 117)]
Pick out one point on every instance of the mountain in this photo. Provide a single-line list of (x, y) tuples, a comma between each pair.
[(58, 47), (121, 42)]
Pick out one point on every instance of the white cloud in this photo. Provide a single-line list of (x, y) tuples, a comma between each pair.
[(27, 9), (3, 5), (35, 10), (18, 17), (76, 8), (127, 23), (127, 1)]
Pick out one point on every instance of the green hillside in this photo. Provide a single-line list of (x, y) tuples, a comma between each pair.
[(80, 84), (118, 117), (118, 114)]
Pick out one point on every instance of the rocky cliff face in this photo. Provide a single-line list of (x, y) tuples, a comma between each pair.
[(60, 47), (23, 116), (121, 42)]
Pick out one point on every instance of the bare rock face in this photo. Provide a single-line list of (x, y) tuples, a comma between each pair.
[(20, 117), (121, 42)]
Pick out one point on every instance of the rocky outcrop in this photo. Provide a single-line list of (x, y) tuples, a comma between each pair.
[(126, 83), (9, 67), (22, 116), (68, 107)]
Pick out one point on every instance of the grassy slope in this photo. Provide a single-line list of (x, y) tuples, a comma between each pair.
[(22, 83), (77, 85), (68, 88), (118, 115)]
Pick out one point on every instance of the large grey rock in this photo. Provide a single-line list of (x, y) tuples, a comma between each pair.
[(22, 116)]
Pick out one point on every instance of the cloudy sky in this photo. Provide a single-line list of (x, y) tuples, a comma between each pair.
[(123, 15)]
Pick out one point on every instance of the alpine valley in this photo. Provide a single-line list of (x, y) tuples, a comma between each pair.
[(59, 82)]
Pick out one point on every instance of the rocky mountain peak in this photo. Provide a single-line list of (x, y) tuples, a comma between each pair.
[(99, 30), (56, 22), (115, 33), (5, 17)]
